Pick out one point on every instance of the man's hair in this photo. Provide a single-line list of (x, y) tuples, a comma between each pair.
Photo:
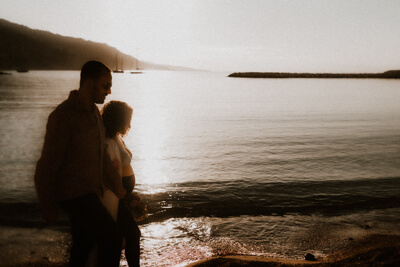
[(93, 70), (116, 115)]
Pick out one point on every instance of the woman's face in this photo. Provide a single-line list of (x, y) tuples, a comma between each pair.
[(127, 126)]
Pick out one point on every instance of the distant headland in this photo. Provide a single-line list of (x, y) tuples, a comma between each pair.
[(25, 49), (391, 74)]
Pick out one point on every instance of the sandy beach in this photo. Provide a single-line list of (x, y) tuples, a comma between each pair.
[(371, 250)]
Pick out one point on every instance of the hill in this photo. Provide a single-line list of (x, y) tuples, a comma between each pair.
[(25, 48)]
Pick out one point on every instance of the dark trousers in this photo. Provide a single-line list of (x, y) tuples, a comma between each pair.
[(91, 223), (130, 231)]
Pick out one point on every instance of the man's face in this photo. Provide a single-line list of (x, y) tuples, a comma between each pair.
[(102, 88)]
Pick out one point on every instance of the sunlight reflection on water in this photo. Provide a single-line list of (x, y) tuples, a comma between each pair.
[(177, 242), (169, 243)]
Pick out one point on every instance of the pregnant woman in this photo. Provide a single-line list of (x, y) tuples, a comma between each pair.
[(117, 121)]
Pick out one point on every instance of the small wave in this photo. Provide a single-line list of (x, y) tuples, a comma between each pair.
[(219, 199), (240, 197)]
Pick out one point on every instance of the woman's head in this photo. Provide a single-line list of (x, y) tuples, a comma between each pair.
[(116, 117)]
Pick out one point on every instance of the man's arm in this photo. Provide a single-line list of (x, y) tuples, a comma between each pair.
[(54, 151)]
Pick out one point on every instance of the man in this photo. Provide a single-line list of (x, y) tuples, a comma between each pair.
[(74, 167)]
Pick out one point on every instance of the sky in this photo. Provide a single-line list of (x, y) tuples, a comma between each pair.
[(230, 35)]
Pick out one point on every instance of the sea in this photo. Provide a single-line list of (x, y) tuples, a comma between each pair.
[(266, 167)]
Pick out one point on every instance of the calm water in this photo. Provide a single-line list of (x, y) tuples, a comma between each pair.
[(247, 166)]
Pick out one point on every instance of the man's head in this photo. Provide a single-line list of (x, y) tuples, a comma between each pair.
[(96, 80)]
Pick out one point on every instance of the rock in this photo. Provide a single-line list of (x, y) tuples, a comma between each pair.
[(367, 226), (310, 257)]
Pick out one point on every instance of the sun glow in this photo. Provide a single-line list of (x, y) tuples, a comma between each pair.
[(151, 133), (152, 142)]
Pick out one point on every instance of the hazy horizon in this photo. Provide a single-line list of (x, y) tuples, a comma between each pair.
[(268, 36)]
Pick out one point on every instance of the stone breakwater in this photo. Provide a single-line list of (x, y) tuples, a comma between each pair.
[(392, 74)]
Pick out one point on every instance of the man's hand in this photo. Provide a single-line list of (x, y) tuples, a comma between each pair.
[(133, 199), (133, 203)]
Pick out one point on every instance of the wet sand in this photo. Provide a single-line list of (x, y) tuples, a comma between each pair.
[(33, 247), (371, 250)]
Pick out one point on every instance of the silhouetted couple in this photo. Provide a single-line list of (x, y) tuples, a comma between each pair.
[(85, 168)]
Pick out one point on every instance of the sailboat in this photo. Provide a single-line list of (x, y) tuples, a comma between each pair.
[(118, 70), (137, 71)]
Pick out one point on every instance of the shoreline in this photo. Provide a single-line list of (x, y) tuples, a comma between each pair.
[(371, 250)]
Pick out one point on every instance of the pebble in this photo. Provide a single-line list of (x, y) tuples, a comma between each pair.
[(310, 257)]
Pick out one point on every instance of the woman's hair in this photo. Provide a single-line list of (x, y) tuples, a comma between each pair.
[(116, 115)]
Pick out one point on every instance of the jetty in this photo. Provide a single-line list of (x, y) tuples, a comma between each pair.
[(391, 74)]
